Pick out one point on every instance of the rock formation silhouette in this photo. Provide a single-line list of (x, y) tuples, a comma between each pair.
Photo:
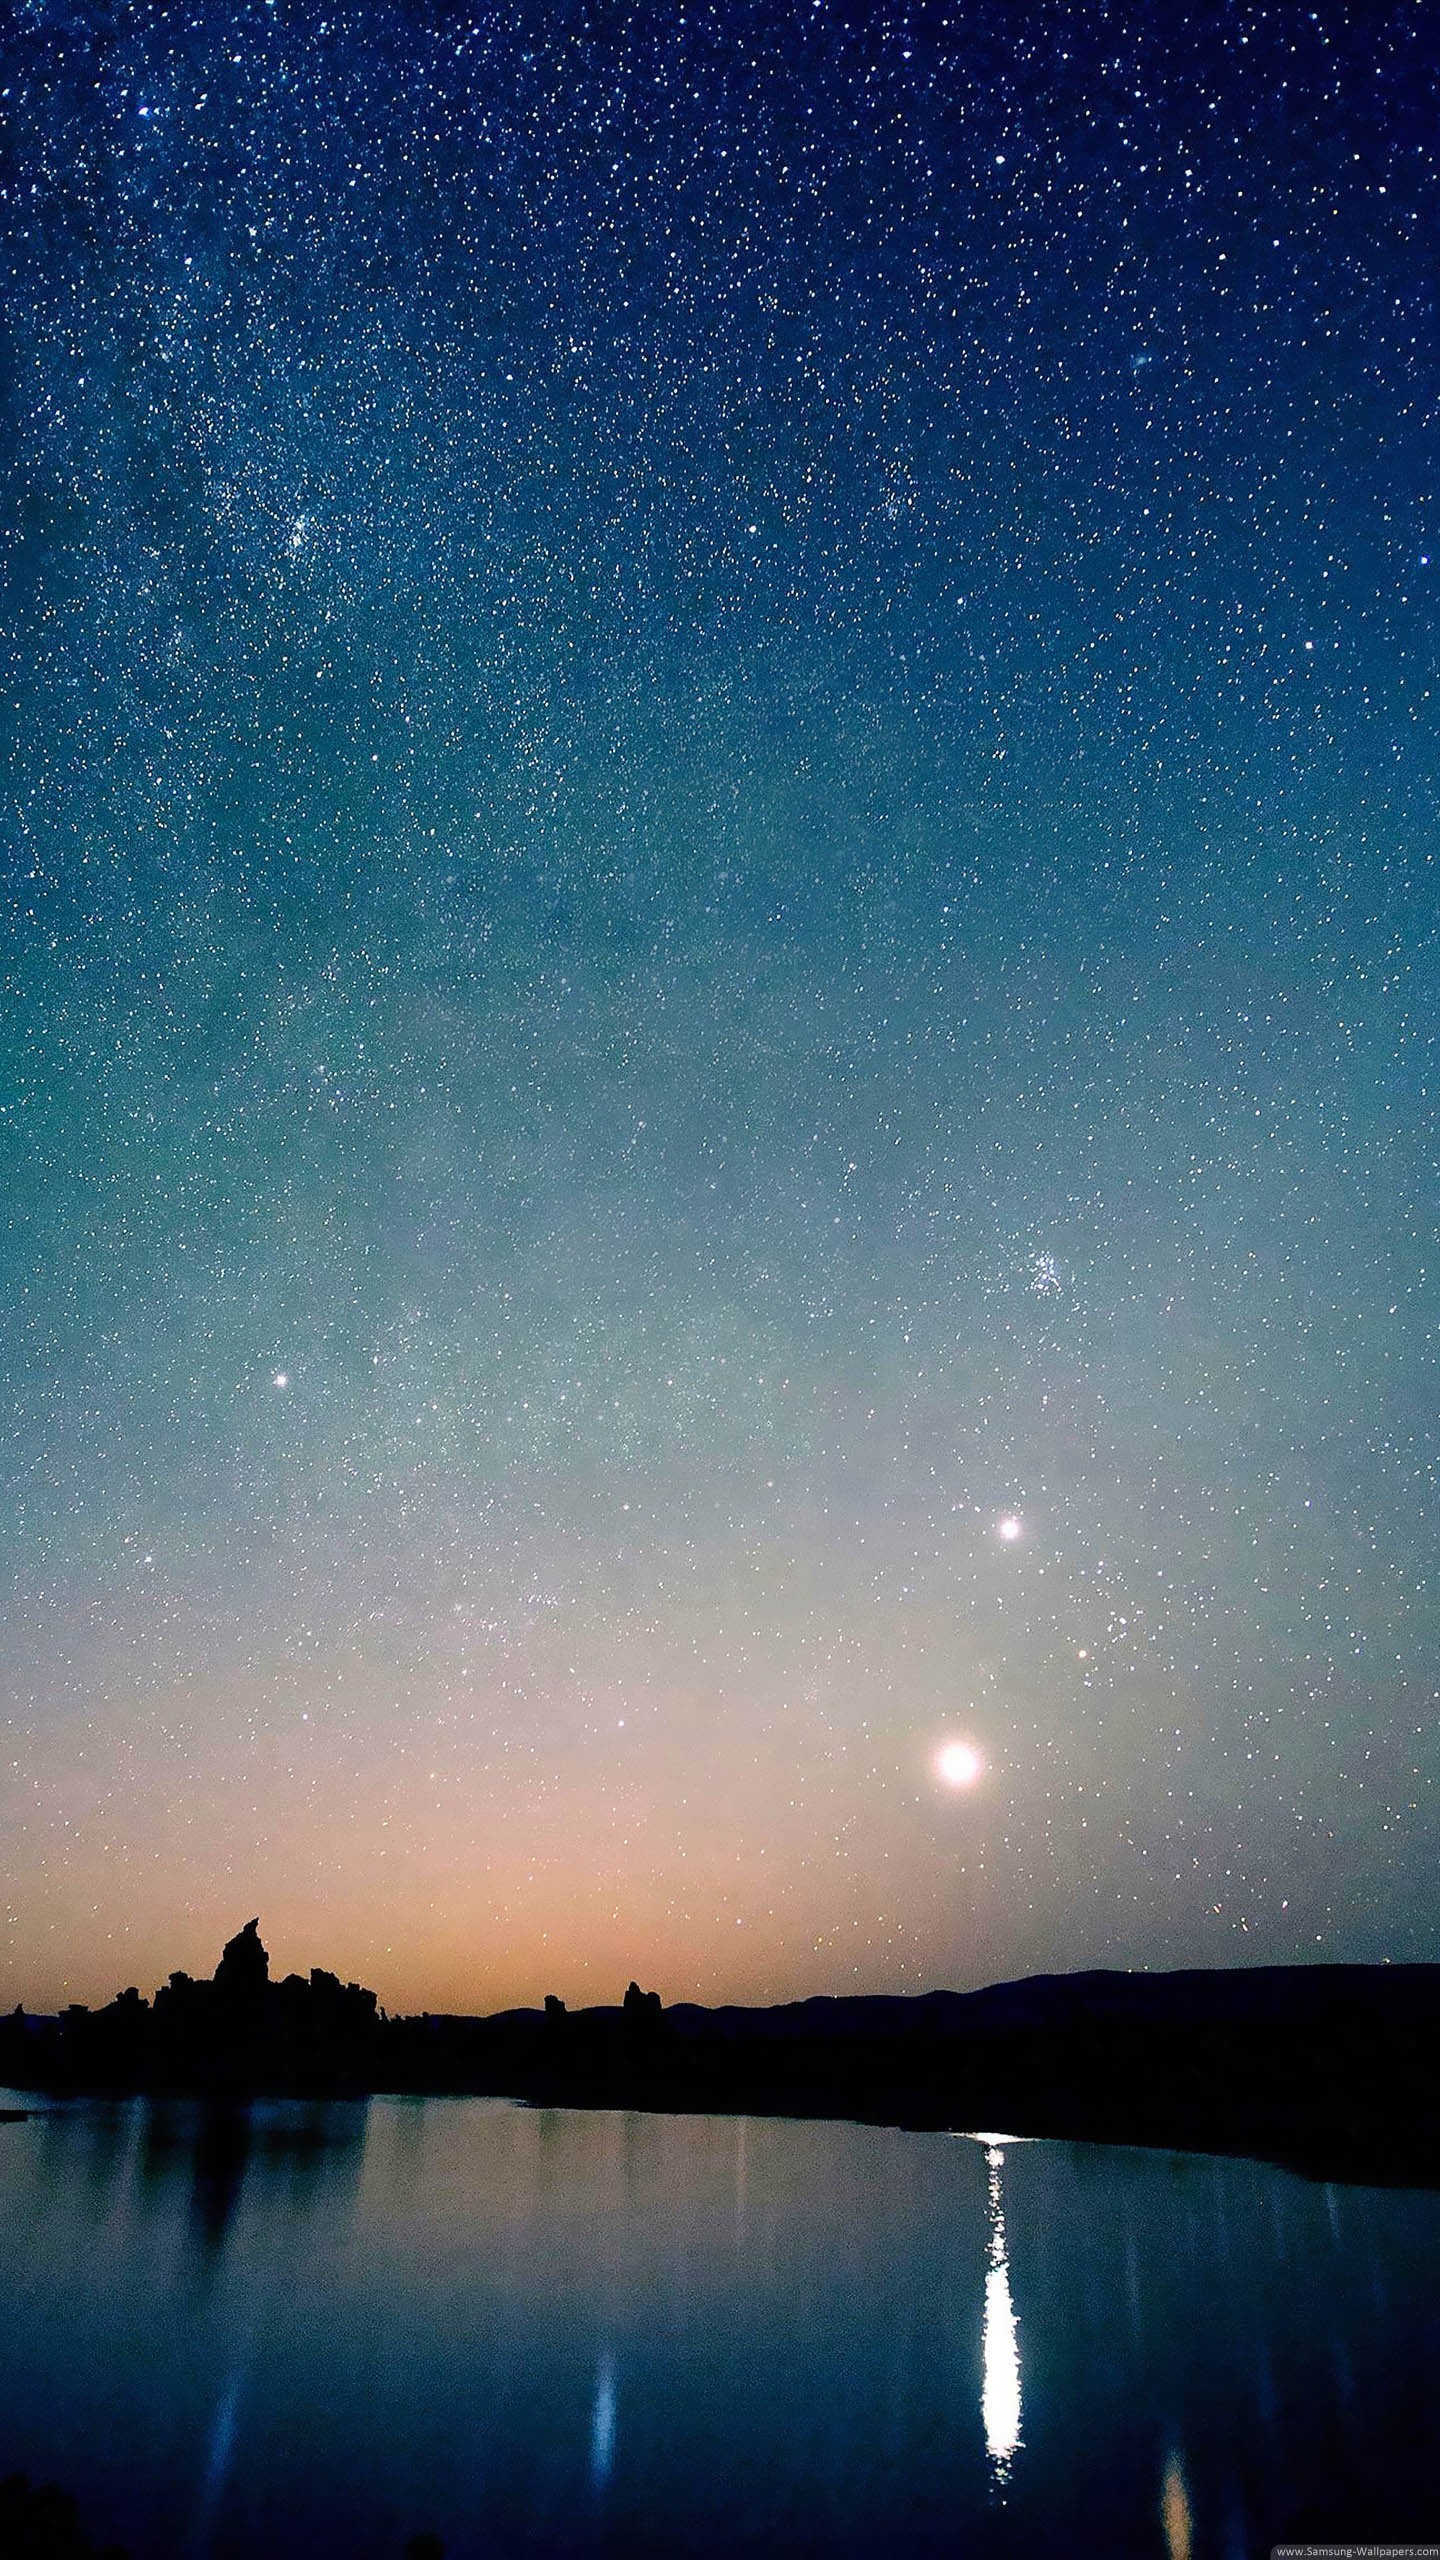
[(231, 2036)]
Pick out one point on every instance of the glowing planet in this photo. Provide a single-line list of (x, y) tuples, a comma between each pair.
[(959, 1764), (1010, 1527)]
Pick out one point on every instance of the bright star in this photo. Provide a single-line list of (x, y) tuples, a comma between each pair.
[(1010, 1527), (959, 1764), (281, 1378)]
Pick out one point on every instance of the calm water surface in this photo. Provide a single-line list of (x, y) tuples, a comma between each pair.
[(326, 2328)]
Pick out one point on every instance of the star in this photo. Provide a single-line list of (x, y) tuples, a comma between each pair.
[(959, 1764)]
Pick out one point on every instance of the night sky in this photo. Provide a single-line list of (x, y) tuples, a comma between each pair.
[(719, 991)]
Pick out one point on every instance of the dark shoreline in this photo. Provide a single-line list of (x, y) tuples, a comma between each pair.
[(1327, 2069)]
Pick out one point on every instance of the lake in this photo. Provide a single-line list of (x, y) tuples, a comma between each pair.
[(324, 2328)]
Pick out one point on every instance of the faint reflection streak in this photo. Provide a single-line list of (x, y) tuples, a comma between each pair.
[(222, 2443), (602, 2422), (1000, 2392), (219, 2456), (1175, 2511)]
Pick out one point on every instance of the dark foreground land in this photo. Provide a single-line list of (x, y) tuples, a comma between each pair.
[(1329, 2068), (43, 2522)]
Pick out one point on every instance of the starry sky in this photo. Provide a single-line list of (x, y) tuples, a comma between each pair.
[(717, 990)]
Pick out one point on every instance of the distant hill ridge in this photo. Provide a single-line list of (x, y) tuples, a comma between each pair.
[(1199, 1994)]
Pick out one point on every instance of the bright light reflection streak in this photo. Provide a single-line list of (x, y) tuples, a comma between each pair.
[(1000, 2390), (1175, 2511)]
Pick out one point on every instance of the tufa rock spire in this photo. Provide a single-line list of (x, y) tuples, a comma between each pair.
[(244, 1965)]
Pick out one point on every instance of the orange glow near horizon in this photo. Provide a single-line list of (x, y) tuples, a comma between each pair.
[(447, 1881)]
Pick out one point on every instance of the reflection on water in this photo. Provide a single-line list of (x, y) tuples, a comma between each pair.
[(219, 2455), (1000, 2397), (602, 2425), (1175, 2511), (306, 2148), (329, 2329)]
